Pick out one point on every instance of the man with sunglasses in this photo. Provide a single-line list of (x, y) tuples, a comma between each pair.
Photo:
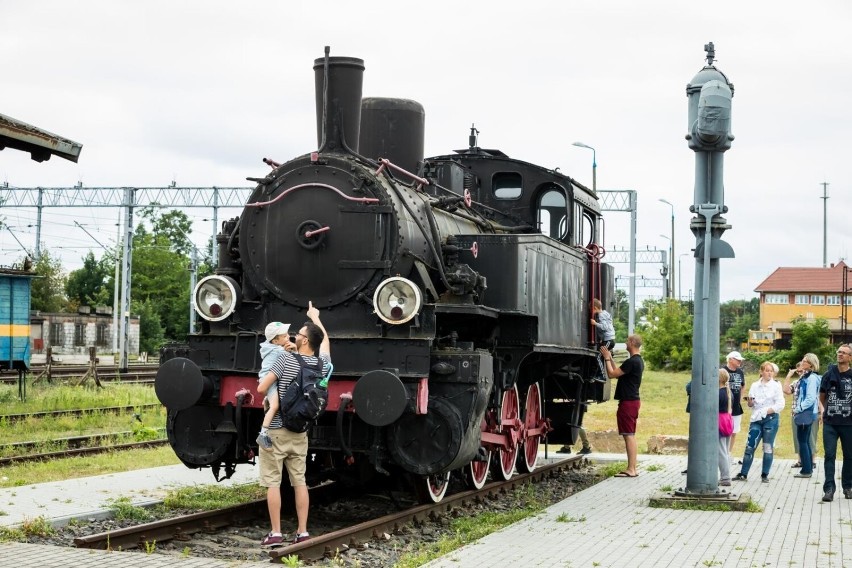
[(835, 393), (290, 449)]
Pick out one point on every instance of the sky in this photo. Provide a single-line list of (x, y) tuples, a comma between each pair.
[(198, 92)]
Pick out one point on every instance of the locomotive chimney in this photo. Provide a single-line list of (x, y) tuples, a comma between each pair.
[(338, 91)]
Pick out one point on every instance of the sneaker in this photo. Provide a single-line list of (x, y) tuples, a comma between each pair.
[(725, 483), (829, 496), (764, 479), (264, 441), (847, 493), (803, 475), (565, 450), (585, 450), (797, 464), (272, 541), (301, 537), (740, 477)]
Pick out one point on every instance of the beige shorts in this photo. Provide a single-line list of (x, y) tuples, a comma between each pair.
[(288, 449)]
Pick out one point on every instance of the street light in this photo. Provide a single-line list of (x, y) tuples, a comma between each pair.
[(673, 246), (594, 165), (670, 268)]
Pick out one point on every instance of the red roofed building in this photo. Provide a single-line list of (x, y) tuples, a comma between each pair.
[(809, 293)]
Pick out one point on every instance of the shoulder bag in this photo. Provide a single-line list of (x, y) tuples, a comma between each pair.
[(726, 424)]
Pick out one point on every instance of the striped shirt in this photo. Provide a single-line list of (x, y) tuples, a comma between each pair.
[(286, 368)]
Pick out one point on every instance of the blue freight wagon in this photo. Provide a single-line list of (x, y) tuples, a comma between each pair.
[(15, 341)]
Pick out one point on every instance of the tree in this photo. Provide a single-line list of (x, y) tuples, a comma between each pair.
[(47, 290), (86, 285), (667, 335), (151, 333), (737, 317), (808, 338), (160, 277), (620, 315)]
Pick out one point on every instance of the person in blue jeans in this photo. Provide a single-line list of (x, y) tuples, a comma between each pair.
[(835, 392), (805, 411), (766, 400)]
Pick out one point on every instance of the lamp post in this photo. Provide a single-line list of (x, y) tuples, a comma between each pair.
[(672, 240), (668, 268), (594, 165)]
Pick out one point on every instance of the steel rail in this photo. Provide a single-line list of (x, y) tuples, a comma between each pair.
[(81, 452), (327, 544), (70, 442), (180, 528), (11, 418)]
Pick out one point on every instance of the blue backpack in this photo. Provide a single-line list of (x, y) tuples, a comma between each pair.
[(305, 398)]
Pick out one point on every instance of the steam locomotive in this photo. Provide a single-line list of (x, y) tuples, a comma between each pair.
[(456, 291)]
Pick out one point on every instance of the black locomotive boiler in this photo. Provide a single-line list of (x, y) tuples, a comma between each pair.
[(456, 291)]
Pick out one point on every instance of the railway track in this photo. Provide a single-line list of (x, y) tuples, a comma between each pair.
[(13, 418), (81, 452), (134, 374), (69, 443), (181, 528)]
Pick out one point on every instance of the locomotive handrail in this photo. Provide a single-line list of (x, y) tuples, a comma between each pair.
[(322, 185), (387, 163)]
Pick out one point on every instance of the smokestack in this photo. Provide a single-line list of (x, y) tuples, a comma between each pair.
[(338, 93)]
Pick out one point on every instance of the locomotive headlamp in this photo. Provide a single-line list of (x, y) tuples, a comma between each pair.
[(216, 297), (397, 300)]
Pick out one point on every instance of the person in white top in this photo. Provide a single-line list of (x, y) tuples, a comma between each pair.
[(766, 400)]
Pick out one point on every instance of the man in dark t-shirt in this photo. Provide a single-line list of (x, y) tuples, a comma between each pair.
[(629, 376), (734, 366), (835, 394)]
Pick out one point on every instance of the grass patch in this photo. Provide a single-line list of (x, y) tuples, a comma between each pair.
[(84, 466), (564, 518), (44, 397), (611, 469), (663, 413), (751, 507), (209, 497), (655, 467), (38, 526), (465, 530), (123, 510), (666, 488)]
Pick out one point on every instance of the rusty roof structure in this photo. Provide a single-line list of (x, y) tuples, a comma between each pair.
[(41, 144), (809, 279)]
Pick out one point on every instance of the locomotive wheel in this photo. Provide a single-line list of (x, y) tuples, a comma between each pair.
[(505, 458), (476, 472), (532, 418), (432, 488)]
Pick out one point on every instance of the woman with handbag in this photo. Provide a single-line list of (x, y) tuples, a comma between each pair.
[(726, 428), (766, 400), (805, 411)]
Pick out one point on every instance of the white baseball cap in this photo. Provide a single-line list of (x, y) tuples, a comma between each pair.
[(735, 355), (275, 329)]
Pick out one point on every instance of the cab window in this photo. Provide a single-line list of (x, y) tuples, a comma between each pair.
[(507, 185), (553, 214)]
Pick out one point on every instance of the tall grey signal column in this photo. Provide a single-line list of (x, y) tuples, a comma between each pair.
[(709, 136)]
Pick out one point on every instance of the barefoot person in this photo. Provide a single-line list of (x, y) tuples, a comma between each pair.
[(629, 376)]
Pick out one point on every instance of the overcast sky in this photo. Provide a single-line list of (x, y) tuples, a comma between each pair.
[(198, 92)]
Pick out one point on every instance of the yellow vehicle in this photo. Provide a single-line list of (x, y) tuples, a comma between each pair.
[(759, 341)]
